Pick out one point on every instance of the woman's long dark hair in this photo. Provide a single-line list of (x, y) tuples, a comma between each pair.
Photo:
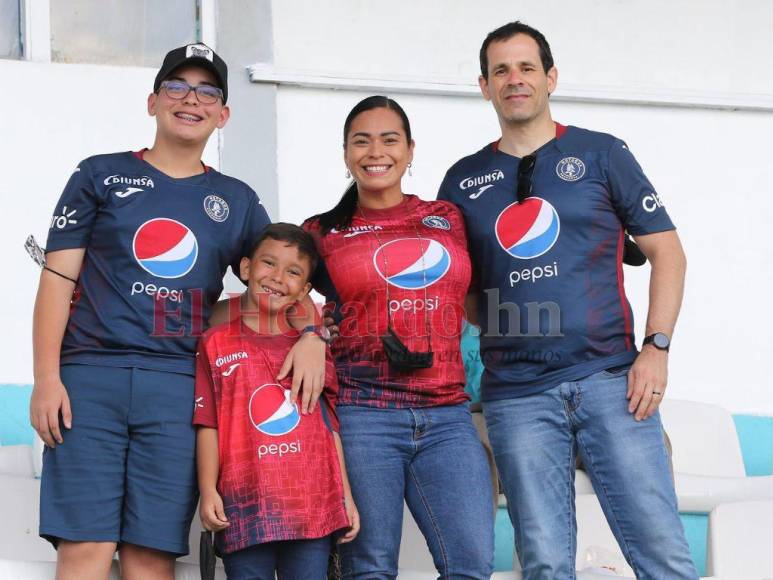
[(341, 215)]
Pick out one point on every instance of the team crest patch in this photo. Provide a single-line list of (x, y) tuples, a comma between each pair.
[(570, 169), (437, 222), (216, 208)]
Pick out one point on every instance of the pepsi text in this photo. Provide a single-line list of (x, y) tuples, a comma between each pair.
[(533, 274)]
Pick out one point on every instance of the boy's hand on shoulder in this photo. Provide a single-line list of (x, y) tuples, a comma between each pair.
[(354, 520), (212, 511)]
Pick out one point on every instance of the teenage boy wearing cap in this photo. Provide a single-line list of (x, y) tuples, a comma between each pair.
[(132, 273)]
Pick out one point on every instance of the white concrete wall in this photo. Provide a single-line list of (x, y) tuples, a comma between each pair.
[(669, 45), (711, 167)]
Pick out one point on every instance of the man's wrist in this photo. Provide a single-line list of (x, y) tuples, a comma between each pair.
[(652, 348), (657, 340)]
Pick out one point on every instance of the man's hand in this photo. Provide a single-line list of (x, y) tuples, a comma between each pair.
[(49, 397), (647, 382), (354, 520), (212, 512), (306, 360)]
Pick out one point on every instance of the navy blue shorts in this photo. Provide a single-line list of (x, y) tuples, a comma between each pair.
[(126, 471)]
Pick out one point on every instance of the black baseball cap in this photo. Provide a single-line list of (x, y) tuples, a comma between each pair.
[(194, 54)]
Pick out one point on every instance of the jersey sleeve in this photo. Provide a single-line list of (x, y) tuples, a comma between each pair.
[(330, 394), (254, 223), (75, 213), (635, 200), (204, 409)]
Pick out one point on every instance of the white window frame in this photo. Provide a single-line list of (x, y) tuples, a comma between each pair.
[(36, 30), (36, 27)]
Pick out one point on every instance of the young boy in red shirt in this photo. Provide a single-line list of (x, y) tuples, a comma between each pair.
[(272, 480)]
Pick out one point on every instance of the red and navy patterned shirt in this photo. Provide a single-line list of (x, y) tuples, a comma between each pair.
[(279, 478), (409, 263)]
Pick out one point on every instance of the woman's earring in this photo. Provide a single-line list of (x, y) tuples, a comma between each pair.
[(347, 175), (410, 173)]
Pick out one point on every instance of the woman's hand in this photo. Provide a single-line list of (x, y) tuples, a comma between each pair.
[(354, 520), (330, 323), (306, 360), (49, 398), (212, 511)]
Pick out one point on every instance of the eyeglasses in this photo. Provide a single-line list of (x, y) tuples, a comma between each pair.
[(178, 90), (525, 171)]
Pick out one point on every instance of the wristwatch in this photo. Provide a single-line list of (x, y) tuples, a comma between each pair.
[(321, 331), (659, 340)]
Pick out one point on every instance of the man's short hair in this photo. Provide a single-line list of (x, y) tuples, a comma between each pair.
[(506, 32), (293, 236)]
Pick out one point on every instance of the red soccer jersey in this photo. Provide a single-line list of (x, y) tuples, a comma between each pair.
[(279, 476), (408, 263)]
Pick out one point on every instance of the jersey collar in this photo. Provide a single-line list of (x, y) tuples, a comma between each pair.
[(560, 131)]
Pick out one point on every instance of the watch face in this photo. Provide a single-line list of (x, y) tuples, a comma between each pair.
[(660, 340)]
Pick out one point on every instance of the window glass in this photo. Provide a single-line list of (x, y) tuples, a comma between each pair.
[(10, 32), (123, 32)]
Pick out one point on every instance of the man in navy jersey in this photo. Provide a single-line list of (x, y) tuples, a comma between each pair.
[(136, 254), (546, 208)]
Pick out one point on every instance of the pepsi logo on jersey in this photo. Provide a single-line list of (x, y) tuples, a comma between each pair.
[(528, 230), (272, 413), (412, 264), (164, 248)]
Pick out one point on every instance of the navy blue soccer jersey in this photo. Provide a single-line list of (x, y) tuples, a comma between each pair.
[(156, 252), (552, 302)]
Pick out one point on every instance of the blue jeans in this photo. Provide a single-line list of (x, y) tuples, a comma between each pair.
[(291, 560), (535, 440), (433, 458)]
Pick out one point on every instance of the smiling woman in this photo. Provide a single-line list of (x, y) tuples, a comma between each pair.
[(377, 153), (398, 270)]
